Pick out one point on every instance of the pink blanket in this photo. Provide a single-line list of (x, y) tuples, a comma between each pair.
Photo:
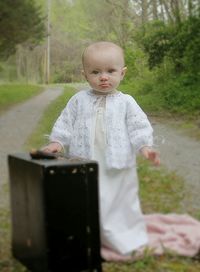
[(175, 233)]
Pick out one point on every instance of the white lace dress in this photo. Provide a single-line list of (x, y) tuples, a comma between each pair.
[(121, 221)]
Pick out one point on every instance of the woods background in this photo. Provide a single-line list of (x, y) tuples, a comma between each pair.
[(42, 41)]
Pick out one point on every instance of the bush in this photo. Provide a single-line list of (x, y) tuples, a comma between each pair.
[(173, 55), (155, 39), (181, 43), (181, 95)]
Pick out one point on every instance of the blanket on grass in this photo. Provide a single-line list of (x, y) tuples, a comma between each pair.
[(178, 234)]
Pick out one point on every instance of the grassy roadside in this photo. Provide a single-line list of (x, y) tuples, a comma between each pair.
[(38, 137), (160, 191), (187, 122), (7, 263), (189, 126), (11, 94)]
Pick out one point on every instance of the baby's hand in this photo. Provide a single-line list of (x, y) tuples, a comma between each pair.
[(53, 147), (151, 154)]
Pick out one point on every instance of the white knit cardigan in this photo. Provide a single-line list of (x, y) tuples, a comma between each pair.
[(127, 128)]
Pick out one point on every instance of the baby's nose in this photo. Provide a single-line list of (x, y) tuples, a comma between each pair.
[(104, 76)]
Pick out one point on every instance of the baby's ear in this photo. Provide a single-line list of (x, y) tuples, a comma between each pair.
[(83, 74), (124, 69)]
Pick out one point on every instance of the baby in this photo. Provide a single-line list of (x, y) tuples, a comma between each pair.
[(106, 125)]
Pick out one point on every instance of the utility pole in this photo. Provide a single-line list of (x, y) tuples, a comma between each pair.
[(48, 42)]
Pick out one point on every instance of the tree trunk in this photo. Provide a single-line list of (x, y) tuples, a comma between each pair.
[(163, 17), (176, 11), (155, 10), (144, 11), (166, 10), (190, 8)]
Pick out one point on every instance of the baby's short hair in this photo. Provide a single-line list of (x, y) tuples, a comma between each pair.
[(101, 45)]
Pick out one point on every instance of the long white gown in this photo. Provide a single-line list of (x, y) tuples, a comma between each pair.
[(122, 226)]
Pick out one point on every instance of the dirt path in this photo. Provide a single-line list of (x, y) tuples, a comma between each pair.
[(181, 154), (178, 152), (18, 123)]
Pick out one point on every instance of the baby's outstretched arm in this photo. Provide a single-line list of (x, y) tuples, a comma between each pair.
[(52, 147), (150, 154)]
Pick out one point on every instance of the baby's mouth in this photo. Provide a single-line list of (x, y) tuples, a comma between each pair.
[(104, 85)]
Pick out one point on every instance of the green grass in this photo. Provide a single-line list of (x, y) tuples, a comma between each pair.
[(11, 94), (160, 191)]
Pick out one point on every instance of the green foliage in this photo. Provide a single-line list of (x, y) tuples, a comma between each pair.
[(11, 94), (155, 38), (173, 55), (158, 93), (67, 73), (180, 43), (21, 22), (181, 95), (136, 63), (8, 72), (75, 24), (185, 49)]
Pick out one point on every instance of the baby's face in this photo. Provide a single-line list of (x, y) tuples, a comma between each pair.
[(104, 69)]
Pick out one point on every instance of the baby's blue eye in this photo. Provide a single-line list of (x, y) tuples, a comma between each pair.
[(95, 72), (110, 71)]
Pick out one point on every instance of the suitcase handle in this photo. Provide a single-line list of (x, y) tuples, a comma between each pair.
[(39, 154)]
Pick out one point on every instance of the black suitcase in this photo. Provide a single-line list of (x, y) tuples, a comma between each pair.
[(55, 215)]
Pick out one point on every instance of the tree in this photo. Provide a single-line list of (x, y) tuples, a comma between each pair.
[(175, 7), (20, 21), (144, 11), (155, 10)]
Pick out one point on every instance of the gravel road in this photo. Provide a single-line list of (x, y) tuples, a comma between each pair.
[(18, 123), (179, 153)]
